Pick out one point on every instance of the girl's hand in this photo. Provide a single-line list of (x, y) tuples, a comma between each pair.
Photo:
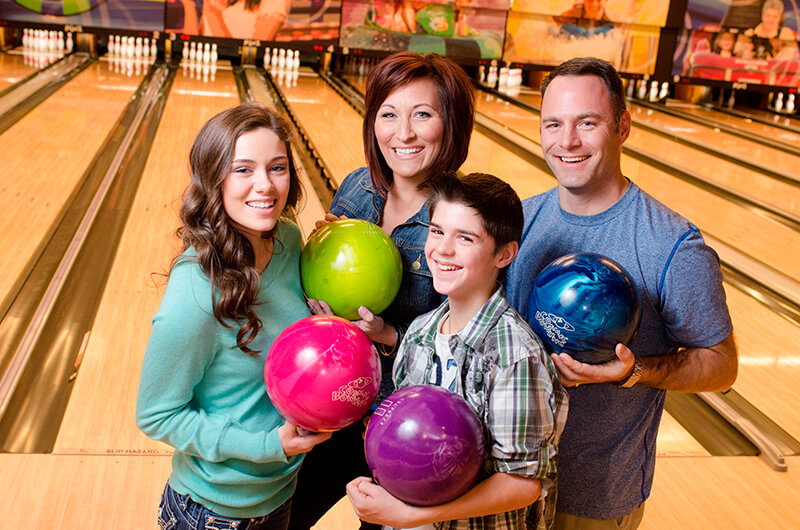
[(296, 441)]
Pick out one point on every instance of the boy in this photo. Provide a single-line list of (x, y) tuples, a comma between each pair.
[(477, 346)]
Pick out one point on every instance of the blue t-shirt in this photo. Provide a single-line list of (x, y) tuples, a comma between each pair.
[(607, 452), (356, 198)]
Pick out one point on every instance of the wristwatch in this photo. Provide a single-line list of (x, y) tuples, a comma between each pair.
[(635, 375)]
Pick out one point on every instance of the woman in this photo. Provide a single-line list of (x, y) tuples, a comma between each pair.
[(229, 294), (417, 125), (771, 39)]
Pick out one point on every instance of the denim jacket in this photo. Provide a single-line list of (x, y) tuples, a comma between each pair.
[(356, 198)]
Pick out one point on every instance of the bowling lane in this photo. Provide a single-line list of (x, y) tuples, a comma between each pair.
[(783, 195), (769, 360), (14, 68), (45, 155), (763, 239), (783, 120), (333, 126), (100, 415), (743, 124), (736, 493)]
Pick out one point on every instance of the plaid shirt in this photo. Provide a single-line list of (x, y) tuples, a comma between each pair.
[(511, 383)]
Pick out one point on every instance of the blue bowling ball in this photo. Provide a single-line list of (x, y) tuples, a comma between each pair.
[(583, 305)]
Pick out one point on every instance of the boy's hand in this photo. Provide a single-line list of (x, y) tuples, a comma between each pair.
[(295, 442), (575, 373), (374, 504)]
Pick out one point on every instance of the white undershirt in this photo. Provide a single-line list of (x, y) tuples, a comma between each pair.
[(445, 369)]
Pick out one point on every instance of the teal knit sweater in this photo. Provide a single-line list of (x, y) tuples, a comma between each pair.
[(207, 399)]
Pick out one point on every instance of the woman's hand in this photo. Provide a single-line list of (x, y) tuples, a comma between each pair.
[(373, 325), (296, 441), (329, 218)]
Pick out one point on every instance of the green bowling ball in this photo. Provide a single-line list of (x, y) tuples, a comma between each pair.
[(350, 263)]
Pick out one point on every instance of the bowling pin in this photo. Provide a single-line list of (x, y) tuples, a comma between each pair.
[(146, 47), (502, 78), (206, 52), (185, 51), (192, 51), (266, 59), (214, 53), (70, 44), (491, 79), (653, 91), (296, 60), (274, 61), (153, 49), (790, 104), (662, 95), (732, 99), (282, 58), (779, 102), (642, 92)]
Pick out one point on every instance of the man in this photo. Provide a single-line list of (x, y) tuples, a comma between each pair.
[(685, 343)]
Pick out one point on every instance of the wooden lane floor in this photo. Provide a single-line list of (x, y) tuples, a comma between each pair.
[(45, 155), (100, 416), (783, 195), (14, 67), (782, 120), (81, 492), (334, 126), (769, 360), (742, 124), (736, 493), (697, 493), (764, 239), (767, 156), (767, 342)]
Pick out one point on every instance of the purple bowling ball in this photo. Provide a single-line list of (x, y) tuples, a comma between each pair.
[(424, 445)]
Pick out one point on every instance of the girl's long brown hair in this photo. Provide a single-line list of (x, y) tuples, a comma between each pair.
[(226, 255)]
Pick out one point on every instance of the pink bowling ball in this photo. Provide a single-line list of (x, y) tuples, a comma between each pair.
[(322, 373)]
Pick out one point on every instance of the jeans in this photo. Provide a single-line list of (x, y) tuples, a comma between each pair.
[(180, 512)]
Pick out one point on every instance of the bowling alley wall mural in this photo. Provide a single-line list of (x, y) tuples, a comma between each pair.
[(266, 20), (462, 29), (623, 32), (142, 15), (741, 41)]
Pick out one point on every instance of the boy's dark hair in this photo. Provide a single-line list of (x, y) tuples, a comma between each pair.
[(496, 202)]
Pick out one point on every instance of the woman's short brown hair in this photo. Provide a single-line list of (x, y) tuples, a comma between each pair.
[(455, 96)]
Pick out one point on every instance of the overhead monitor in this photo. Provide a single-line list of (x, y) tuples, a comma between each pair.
[(745, 42), (135, 15), (263, 20), (550, 40), (464, 29)]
